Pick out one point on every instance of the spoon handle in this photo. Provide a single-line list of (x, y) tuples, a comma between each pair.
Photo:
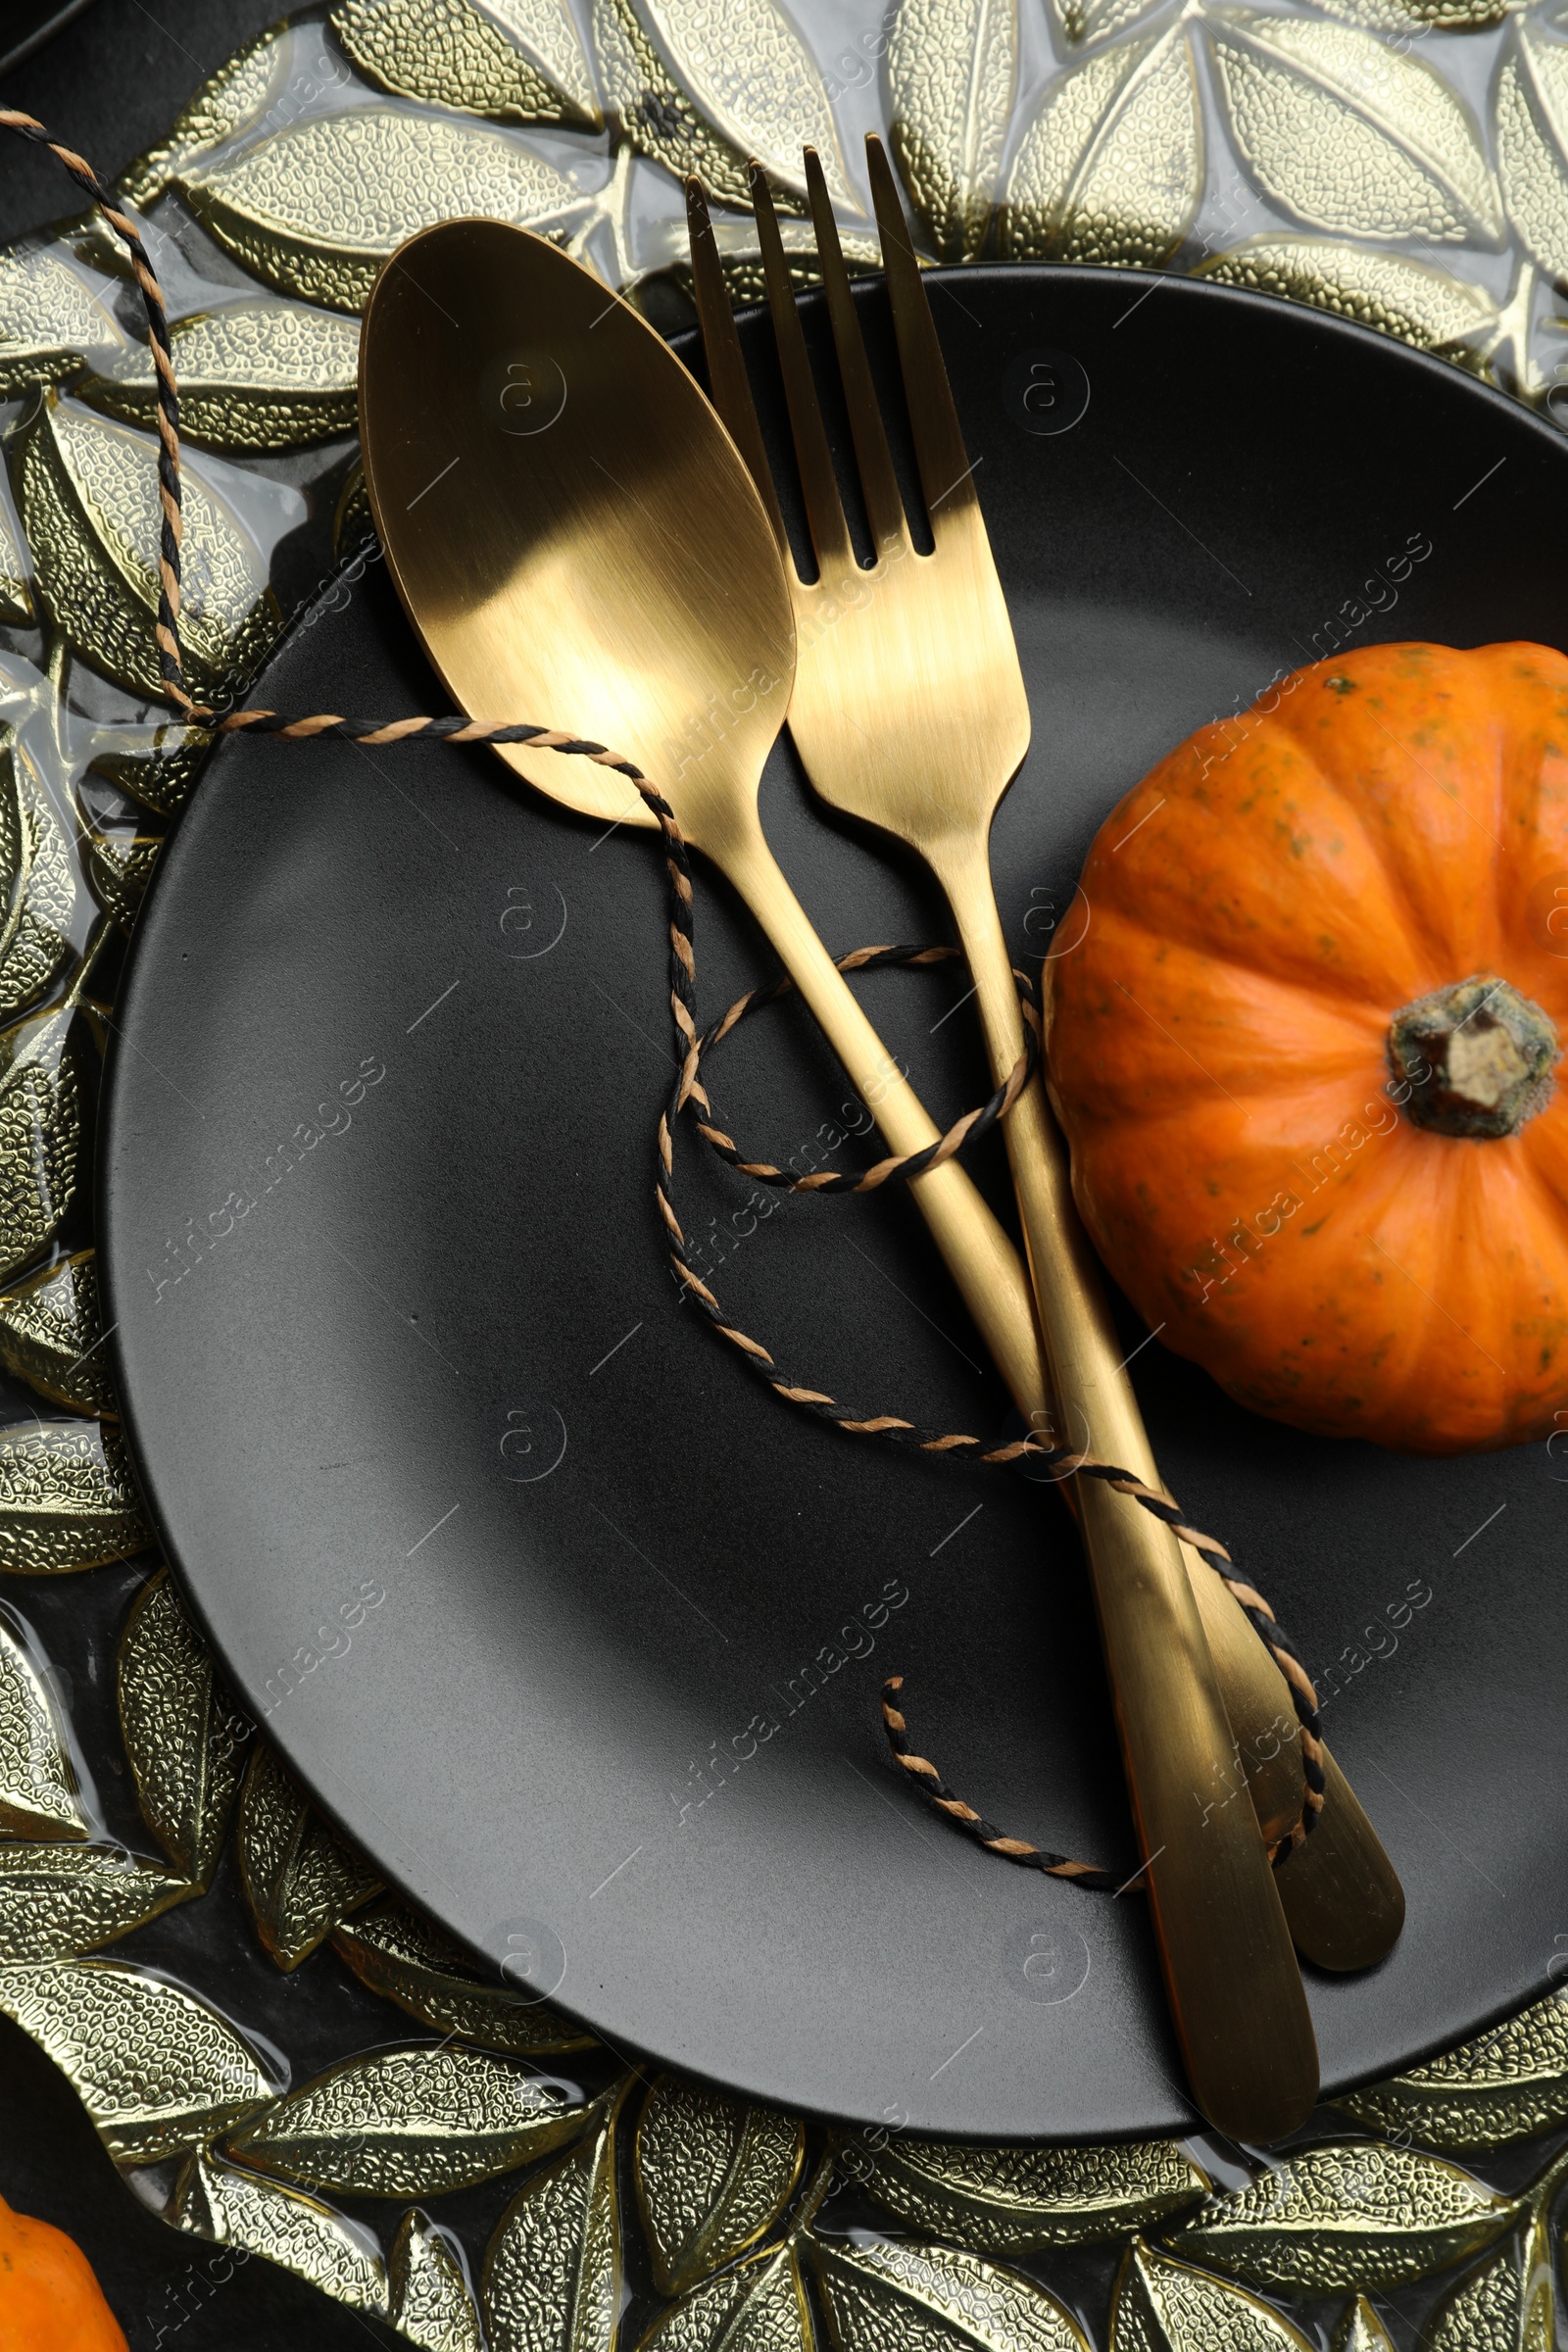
[(1234, 1990)]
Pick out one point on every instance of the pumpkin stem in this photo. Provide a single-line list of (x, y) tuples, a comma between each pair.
[(1476, 1056)]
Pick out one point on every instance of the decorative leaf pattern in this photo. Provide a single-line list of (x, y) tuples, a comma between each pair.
[(1350, 135), (234, 96), (659, 116), (314, 209), (218, 2200), (1531, 113), (760, 2304), (156, 2070), (120, 866), (431, 2302), (1507, 2084), (57, 1901), (52, 1336), (1353, 2216), (551, 2272), (951, 69), (515, 60), (1111, 167), (162, 778), (68, 1496), (38, 886), (88, 492), (38, 1796), (753, 78), (713, 2176), (1506, 2304), (887, 2295), (1411, 300), (300, 1878), (1165, 2306), (182, 1735), (405, 1957), (411, 2123), (254, 376), (1015, 2200), (50, 321), (1361, 2331)]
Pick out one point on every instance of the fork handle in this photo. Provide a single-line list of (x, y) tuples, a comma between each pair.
[(1236, 1993), (1341, 1894)]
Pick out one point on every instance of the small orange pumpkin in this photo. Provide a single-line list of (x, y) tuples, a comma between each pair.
[(1304, 1054), (49, 2299)]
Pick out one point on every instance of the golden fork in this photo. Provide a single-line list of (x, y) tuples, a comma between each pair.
[(910, 713)]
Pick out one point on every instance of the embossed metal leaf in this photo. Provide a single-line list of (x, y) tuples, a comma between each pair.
[(517, 60), (156, 2070), (120, 866), (1353, 2214), (713, 2175), (1506, 2304), (953, 66), (68, 1496), (182, 1732), (405, 1958), (752, 76), (88, 489), (315, 209), (760, 2304), (38, 886), (1016, 2200), (38, 1782), (661, 118), (883, 2295), (218, 2200), (16, 595), (1531, 114), (161, 779), (233, 97), (40, 1140), (1436, 16), (1111, 167), (1361, 2331), (1166, 2306), (300, 1877), (59, 1900), (1411, 300), (411, 2123), (257, 375), (50, 320), (51, 1335), (552, 2271), (1507, 2084), (431, 2302), (1350, 135), (352, 521), (1082, 21)]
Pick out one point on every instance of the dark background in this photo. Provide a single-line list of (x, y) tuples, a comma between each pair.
[(109, 82)]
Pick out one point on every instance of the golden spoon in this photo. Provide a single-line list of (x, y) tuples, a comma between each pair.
[(573, 530)]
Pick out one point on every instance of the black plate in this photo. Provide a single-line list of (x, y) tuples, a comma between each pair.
[(369, 1381)]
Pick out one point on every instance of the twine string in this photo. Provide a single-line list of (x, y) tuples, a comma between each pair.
[(689, 1096)]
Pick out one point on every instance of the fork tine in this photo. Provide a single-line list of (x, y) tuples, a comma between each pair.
[(727, 379), (884, 507), (946, 474), (824, 508)]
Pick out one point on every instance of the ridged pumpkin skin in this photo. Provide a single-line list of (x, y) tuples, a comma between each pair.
[(49, 2299), (1376, 828)]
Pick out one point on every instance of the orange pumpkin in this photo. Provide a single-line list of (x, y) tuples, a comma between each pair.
[(49, 2299), (1304, 1051)]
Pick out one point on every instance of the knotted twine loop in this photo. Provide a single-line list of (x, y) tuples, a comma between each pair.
[(459, 729)]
